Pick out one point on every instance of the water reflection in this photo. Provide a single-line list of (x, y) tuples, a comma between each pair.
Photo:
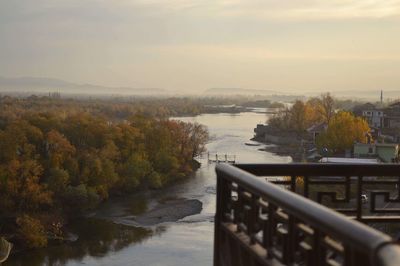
[(97, 238)]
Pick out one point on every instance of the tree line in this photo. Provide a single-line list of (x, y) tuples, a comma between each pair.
[(343, 128), (57, 164), (118, 108)]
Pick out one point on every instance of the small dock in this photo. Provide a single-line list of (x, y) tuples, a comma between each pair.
[(221, 158)]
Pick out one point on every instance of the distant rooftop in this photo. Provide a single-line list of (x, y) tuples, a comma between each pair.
[(396, 104), (318, 127)]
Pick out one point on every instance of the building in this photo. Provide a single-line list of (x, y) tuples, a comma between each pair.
[(265, 133), (55, 95), (374, 117), (384, 122), (358, 109), (372, 114), (260, 131), (386, 152), (392, 116), (316, 130)]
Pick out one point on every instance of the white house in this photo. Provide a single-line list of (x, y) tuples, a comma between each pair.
[(374, 117)]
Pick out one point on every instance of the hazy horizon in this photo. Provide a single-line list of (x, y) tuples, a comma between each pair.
[(191, 46)]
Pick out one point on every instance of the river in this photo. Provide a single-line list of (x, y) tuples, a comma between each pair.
[(107, 237)]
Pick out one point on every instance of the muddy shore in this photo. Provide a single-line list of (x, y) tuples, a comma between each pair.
[(169, 211)]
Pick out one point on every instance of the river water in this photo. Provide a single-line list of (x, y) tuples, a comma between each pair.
[(107, 237)]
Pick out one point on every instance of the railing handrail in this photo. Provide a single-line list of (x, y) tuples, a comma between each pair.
[(350, 232), (321, 169)]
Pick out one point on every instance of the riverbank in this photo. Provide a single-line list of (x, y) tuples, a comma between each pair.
[(280, 142), (170, 211), (57, 231), (285, 150)]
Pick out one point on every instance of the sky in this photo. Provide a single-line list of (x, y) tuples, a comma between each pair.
[(191, 46)]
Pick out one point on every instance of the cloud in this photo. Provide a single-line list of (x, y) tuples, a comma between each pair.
[(114, 11), (281, 10), (320, 9), (155, 42)]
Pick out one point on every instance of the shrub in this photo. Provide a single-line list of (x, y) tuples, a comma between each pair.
[(31, 232)]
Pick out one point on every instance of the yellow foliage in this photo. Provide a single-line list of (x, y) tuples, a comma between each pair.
[(343, 131)]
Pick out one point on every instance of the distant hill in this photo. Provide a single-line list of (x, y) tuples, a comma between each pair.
[(238, 91), (271, 95), (369, 95), (45, 85)]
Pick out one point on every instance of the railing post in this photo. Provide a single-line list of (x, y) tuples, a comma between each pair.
[(252, 221), (271, 227), (222, 198), (347, 192), (305, 184), (216, 223), (359, 200), (293, 183), (319, 251), (291, 240)]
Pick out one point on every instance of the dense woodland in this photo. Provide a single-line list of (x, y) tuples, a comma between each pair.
[(59, 158), (120, 108)]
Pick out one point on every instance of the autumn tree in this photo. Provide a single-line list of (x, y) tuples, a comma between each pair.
[(327, 106), (298, 117), (314, 114), (133, 171), (343, 130), (198, 138), (280, 120), (69, 160), (22, 190), (302, 115), (58, 148)]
